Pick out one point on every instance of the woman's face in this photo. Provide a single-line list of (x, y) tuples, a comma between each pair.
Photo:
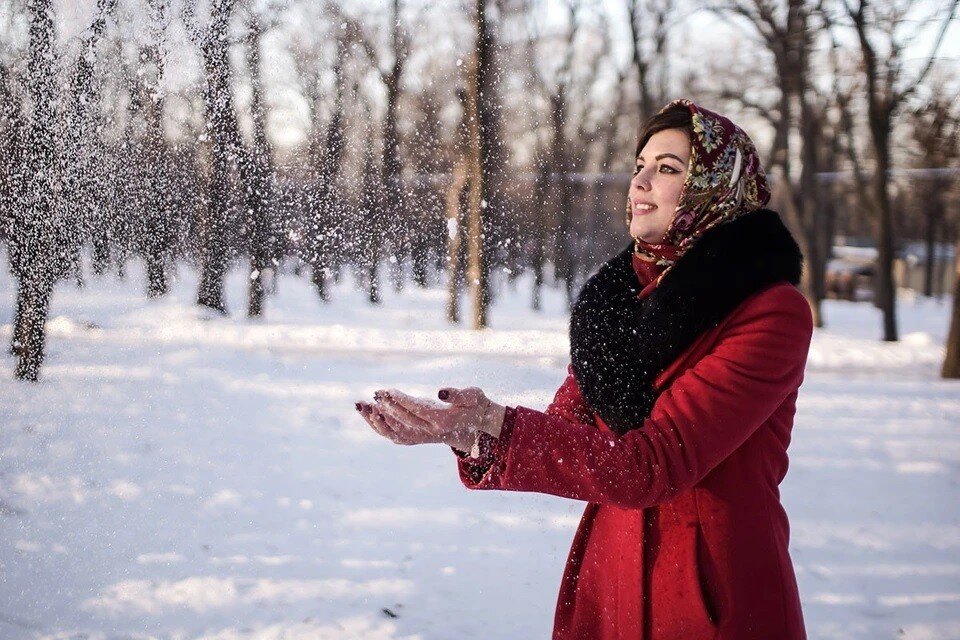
[(657, 181)]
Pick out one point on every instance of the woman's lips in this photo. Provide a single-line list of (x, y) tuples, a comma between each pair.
[(642, 208)]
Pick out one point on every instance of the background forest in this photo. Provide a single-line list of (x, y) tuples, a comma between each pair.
[(463, 143)]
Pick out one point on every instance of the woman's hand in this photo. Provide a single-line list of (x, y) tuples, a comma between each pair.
[(408, 420)]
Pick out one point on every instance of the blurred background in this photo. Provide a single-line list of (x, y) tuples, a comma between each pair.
[(416, 142)]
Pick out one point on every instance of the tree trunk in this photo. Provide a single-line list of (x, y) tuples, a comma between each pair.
[(392, 163), (420, 262), (255, 293), (564, 259), (940, 271), (886, 287), (33, 303), (933, 214), (373, 281), (226, 149), (477, 107), (951, 363), (156, 275), (39, 245), (318, 277), (930, 262), (456, 273), (100, 259), (259, 164), (19, 336), (371, 240), (538, 258)]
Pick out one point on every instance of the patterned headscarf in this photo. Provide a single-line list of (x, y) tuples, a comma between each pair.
[(724, 181)]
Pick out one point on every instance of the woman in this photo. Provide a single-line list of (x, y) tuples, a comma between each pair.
[(687, 351)]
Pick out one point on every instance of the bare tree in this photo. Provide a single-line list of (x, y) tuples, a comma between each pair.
[(12, 133), (426, 161), (786, 29), (370, 239), (569, 76), (156, 234), (36, 257), (391, 74), (46, 231), (649, 27), (456, 210), (951, 361), (261, 190), (478, 106), (561, 161), (611, 142), (936, 130), (226, 148), (883, 31)]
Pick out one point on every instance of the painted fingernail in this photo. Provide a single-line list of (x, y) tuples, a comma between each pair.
[(443, 394), (359, 406), (378, 395)]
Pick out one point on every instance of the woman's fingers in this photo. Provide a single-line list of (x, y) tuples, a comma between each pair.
[(468, 397), (391, 428), (405, 434), (390, 407), (423, 408), (375, 420)]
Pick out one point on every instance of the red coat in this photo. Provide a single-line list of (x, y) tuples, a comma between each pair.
[(684, 536)]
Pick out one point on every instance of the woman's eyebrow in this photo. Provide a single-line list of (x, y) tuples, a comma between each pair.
[(669, 155), (663, 155)]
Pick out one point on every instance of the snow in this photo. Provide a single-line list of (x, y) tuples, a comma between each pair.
[(177, 474)]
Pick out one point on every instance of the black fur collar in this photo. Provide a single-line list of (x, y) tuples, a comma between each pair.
[(618, 344)]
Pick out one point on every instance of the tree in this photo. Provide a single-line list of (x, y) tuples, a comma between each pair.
[(325, 206), (574, 123), (391, 75), (478, 107), (260, 191), (936, 130), (12, 134), (951, 362), (786, 29), (649, 26), (883, 32), (561, 152), (373, 228), (456, 212), (226, 148), (38, 255), (155, 193)]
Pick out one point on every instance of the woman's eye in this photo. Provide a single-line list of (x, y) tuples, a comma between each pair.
[(637, 169), (664, 168)]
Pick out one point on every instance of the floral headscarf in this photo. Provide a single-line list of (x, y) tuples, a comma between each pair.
[(724, 181)]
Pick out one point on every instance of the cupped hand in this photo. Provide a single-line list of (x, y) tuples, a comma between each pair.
[(406, 419), (393, 429)]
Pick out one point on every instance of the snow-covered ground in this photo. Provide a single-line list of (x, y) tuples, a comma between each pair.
[(181, 475)]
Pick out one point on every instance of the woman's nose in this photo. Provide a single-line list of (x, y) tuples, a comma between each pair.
[(642, 181)]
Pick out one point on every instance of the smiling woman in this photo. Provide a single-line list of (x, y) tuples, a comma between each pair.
[(661, 171), (687, 351)]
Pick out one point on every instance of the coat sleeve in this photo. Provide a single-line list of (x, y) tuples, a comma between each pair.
[(702, 417), (568, 402)]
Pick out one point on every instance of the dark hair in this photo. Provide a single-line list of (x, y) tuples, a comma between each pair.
[(677, 116)]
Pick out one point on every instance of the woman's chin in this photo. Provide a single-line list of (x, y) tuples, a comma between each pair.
[(647, 236)]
